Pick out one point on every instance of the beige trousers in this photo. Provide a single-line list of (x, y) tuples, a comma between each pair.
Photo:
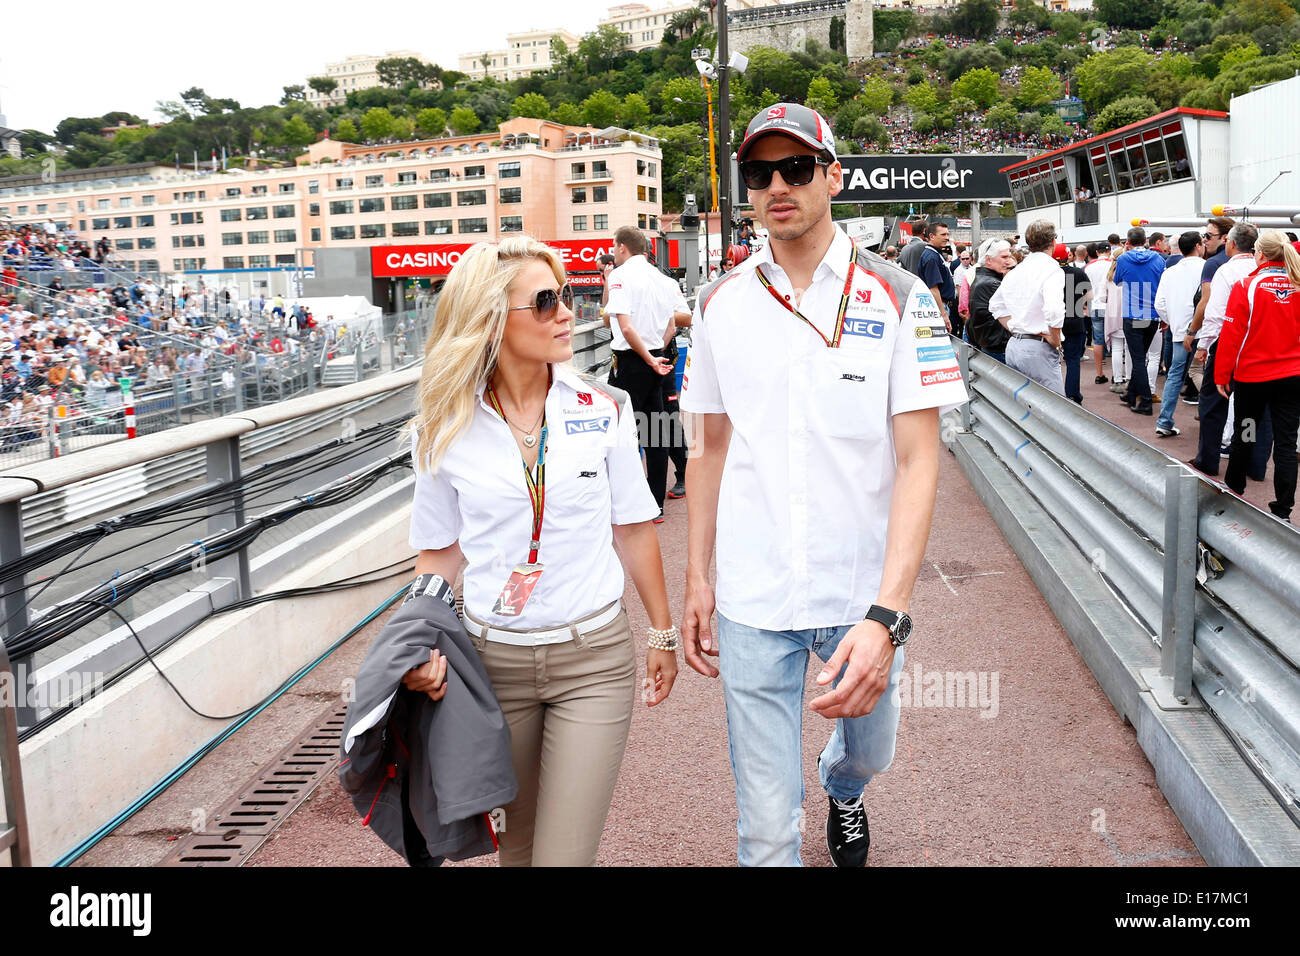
[(569, 707)]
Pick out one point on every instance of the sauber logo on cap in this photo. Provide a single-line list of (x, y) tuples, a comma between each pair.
[(776, 112)]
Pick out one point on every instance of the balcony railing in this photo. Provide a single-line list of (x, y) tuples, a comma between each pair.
[(1086, 212)]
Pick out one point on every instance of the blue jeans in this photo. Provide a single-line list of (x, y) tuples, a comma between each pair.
[(763, 678), (1173, 385), (1099, 329), (1000, 356)]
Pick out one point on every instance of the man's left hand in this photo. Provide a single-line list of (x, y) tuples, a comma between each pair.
[(869, 653), (1224, 390)]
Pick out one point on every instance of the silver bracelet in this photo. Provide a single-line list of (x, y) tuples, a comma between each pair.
[(663, 640)]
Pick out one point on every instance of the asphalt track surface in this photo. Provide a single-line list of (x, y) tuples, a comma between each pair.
[(1052, 776)]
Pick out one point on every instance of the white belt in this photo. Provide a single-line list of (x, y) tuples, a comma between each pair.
[(553, 635)]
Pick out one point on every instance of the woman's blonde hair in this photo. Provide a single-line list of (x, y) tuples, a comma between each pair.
[(1273, 245), (462, 348)]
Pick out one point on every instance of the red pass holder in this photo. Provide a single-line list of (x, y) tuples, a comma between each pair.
[(518, 589)]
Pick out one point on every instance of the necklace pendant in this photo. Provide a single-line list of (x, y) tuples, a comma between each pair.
[(529, 441)]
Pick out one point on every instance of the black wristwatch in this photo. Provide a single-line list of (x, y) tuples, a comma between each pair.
[(898, 623)]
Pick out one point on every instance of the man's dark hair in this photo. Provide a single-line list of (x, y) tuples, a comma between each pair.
[(1187, 241), (1094, 250), (1040, 235), (1222, 223), (604, 259), (1243, 235), (1137, 237), (1155, 237), (1113, 238), (633, 238), (930, 228)]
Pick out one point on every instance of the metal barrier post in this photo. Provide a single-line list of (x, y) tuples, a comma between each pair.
[(357, 355), (1179, 592), (13, 826), (176, 396), (11, 549), (963, 362), (51, 436), (223, 465)]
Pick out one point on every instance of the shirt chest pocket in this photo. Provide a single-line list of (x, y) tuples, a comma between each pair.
[(848, 394)]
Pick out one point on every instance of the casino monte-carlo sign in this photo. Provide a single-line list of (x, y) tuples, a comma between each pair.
[(924, 178)]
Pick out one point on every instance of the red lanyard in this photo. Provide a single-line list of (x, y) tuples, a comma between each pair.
[(536, 485), (839, 316)]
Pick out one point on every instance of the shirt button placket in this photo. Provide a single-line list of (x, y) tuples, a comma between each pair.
[(800, 383)]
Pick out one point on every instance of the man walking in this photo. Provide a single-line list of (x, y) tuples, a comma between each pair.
[(1174, 303), (851, 402), (1030, 304), (984, 331), (1097, 270), (643, 302)]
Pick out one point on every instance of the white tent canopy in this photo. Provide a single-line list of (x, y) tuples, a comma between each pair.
[(354, 311)]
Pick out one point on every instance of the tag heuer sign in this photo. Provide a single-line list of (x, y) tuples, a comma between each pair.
[(924, 177)]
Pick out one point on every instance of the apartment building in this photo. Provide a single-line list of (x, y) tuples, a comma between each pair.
[(551, 181), (523, 54), (644, 27), (354, 73)]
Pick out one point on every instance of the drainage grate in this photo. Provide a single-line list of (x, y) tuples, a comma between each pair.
[(243, 823)]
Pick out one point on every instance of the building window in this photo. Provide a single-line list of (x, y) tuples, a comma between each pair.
[(651, 169), (579, 223), (373, 230), (150, 265), (125, 244), (144, 201), (258, 190), (406, 202), (436, 200), (315, 234), (232, 192), (343, 182), (640, 167), (143, 222), (475, 172), (512, 194), (599, 169), (372, 205), (512, 223), (148, 242), (507, 170), (313, 209), (654, 193), (123, 203), (181, 218), (406, 177), (96, 225), (286, 187), (341, 207), (101, 204), (230, 215), (600, 223), (654, 222), (600, 194), (437, 227), (232, 238), (121, 222), (343, 232), (640, 193), (439, 175), (255, 212), (186, 242), (282, 212), (579, 194), (232, 262), (286, 235), (313, 186), (473, 225), (577, 170), (259, 262), (286, 259), (373, 182), (472, 197), (256, 238), (406, 229)]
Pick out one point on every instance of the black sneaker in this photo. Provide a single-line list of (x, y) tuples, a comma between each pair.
[(847, 836), (678, 490), (1169, 432), (660, 519), (1193, 401), (1142, 407), (1100, 380)]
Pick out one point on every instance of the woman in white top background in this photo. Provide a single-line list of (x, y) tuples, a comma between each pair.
[(532, 475)]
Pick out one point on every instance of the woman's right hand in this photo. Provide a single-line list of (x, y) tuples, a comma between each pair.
[(430, 678)]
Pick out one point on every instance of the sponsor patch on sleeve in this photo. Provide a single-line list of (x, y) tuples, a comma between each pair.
[(935, 353), (940, 376)]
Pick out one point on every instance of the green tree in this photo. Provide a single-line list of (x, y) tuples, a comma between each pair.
[(531, 105), (600, 109), (779, 72), (922, 98), (1038, 87), (1121, 112), (980, 85), (292, 94), (463, 121), (837, 40), (690, 94), (324, 85), (923, 122), (1002, 117), (346, 131), (567, 113), (634, 111), (401, 71), (1027, 13), (877, 95), (975, 18), (1107, 76), (431, 122), (1053, 125), (1122, 14), (973, 57), (296, 132), (821, 96), (377, 124), (1237, 57), (601, 49)]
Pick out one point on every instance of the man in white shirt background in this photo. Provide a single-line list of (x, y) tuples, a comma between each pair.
[(644, 305), (1176, 304), (1097, 270), (815, 379), (1030, 303)]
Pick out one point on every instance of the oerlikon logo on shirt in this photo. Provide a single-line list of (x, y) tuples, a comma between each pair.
[(940, 376)]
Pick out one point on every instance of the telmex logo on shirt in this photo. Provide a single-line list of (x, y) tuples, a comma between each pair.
[(925, 300), (864, 327), (941, 376), (935, 353), (584, 425)]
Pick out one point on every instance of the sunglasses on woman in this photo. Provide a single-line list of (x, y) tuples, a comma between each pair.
[(794, 170), (548, 301)]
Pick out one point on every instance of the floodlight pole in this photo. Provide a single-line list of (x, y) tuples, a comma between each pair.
[(724, 118)]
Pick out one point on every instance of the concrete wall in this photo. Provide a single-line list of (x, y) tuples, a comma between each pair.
[(789, 32)]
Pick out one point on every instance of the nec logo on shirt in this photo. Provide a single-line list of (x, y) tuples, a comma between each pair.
[(865, 327), (582, 426)]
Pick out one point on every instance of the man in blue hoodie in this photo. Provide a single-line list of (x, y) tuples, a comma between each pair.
[(1137, 273)]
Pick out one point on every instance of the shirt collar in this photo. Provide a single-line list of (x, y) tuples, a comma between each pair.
[(836, 258)]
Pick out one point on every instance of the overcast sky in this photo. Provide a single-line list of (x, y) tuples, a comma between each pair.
[(74, 58)]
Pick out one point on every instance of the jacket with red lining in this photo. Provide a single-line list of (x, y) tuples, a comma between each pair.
[(1260, 340)]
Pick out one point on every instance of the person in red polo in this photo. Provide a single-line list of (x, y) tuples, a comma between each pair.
[(1259, 362)]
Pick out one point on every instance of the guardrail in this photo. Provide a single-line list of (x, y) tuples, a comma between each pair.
[(1213, 581)]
